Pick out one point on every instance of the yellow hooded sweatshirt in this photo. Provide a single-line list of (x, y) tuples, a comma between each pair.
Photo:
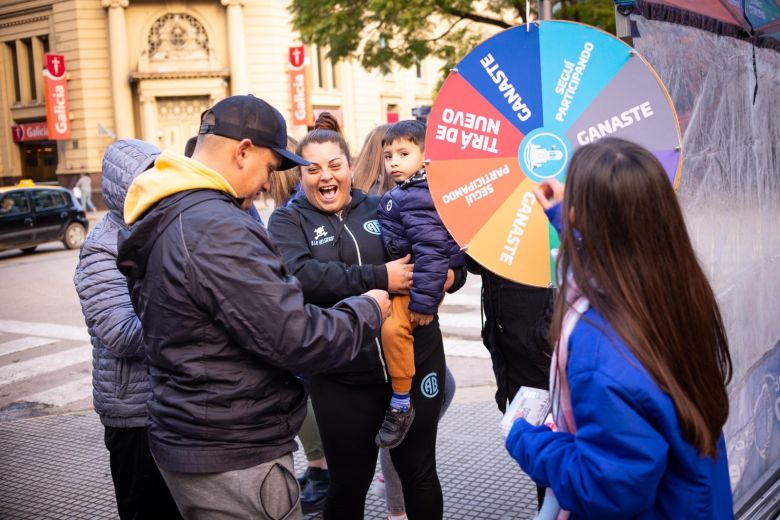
[(172, 173)]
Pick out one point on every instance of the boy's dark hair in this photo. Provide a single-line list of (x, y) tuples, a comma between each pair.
[(409, 129)]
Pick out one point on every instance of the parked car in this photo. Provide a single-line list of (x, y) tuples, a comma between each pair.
[(31, 215)]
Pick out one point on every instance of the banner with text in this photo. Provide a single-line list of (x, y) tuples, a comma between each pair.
[(30, 132), (300, 90), (56, 92)]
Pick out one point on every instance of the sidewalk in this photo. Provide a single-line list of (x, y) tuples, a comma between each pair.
[(56, 467)]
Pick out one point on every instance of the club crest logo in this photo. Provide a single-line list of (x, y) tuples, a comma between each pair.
[(429, 386), (543, 155), (372, 226)]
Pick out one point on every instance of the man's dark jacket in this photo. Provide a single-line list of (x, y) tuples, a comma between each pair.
[(225, 326)]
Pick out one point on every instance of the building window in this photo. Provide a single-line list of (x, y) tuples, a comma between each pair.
[(392, 114), (325, 71), (27, 64), (32, 76), (15, 65), (320, 78), (418, 68)]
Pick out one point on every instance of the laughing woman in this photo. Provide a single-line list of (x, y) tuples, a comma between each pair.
[(330, 241)]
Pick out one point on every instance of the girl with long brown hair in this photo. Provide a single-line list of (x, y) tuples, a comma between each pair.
[(641, 361), (370, 175)]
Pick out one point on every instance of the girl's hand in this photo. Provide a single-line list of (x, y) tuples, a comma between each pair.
[(549, 193), (399, 275)]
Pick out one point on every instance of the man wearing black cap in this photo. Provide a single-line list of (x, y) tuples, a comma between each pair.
[(225, 323)]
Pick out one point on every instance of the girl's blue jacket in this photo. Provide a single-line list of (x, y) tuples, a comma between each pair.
[(628, 458)]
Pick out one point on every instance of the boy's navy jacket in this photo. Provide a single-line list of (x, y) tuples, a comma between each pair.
[(629, 458), (410, 224)]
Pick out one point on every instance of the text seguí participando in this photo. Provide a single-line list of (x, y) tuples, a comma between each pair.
[(569, 80), (476, 189)]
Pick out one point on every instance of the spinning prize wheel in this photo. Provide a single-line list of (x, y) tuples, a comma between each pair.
[(511, 115)]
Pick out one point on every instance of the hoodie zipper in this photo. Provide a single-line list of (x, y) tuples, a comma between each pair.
[(360, 262)]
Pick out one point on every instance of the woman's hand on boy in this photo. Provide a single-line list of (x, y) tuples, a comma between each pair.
[(399, 275)]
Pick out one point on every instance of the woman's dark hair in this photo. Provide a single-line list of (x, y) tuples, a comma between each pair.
[(326, 130), (370, 175), (634, 261), (409, 129)]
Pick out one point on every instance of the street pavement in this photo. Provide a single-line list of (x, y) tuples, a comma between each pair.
[(53, 463)]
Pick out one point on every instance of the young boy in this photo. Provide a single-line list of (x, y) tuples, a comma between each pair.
[(410, 224)]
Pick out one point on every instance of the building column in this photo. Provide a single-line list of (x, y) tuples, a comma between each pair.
[(120, 68), (149, 115), (239, 74)]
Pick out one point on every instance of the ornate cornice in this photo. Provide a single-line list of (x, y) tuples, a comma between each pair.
[(146, 76), (23, 21), (228, 3)]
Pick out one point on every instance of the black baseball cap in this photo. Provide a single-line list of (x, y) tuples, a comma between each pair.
[(248, 117)]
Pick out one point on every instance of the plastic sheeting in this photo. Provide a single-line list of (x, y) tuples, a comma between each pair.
[(730, 193), (755, 20)]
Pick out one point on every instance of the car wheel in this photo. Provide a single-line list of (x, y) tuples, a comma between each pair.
[(28, 250), (74, 235)]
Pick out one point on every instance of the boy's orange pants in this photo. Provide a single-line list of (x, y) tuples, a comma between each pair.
[(398, 344)]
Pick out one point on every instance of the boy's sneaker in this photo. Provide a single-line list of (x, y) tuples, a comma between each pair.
[(394, 427)]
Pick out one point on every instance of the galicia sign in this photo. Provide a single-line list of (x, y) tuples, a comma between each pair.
[(30, 132), (299, 87), (56, 92)]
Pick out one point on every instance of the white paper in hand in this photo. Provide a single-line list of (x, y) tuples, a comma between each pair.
[(533, 404)]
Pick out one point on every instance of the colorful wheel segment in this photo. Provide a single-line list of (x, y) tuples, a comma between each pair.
[(512, 114)]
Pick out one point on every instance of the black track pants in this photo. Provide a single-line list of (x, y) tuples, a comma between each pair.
[(349, 417)]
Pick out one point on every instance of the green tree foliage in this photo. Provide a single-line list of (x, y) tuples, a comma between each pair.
[(599, 13), (381, 33)]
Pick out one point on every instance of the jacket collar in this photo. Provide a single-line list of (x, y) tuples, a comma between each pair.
[(420, 176)]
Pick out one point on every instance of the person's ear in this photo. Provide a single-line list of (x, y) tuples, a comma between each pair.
[(242, 151)]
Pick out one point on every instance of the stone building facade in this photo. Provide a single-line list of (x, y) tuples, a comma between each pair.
[(147, 69)]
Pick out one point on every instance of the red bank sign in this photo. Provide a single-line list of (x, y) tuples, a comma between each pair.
[(30, 132), (56, 88), (299, 87)]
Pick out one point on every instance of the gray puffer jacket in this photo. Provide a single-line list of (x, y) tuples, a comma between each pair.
[(120, 383)]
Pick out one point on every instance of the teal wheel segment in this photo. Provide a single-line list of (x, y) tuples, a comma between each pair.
[(577, 62)]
